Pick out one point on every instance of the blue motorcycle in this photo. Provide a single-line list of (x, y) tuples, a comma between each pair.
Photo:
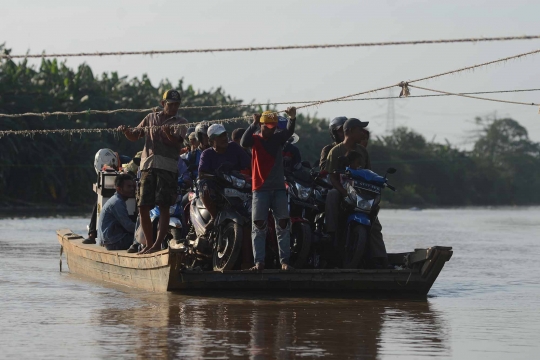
[(364, 188)]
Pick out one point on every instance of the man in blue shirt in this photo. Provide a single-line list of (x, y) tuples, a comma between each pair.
[(221, 151), (115, 228)]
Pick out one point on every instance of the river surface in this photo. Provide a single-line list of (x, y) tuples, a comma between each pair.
[(484, 305)]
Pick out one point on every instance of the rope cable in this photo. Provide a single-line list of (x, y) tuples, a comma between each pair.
[(203, 107), (403, 85), (267, 48)]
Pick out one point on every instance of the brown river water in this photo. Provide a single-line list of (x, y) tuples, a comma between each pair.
[(484, 305)]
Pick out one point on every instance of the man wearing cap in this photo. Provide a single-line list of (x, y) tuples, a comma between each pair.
[(268, 183), (354, 134), (221, 151), (159, 164)]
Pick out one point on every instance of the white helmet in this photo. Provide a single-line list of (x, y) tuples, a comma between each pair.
[(105, 157)]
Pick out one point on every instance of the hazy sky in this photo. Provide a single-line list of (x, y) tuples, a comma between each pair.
[(73, 26)]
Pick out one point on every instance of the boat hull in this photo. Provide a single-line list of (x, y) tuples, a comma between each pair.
[(161, 271)]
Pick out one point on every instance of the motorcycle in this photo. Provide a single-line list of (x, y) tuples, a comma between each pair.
[(299, 187), (315, 215), (364, 188), (176, 214), (223, 243)]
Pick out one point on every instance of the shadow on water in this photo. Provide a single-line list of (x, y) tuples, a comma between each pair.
[(268, 327)]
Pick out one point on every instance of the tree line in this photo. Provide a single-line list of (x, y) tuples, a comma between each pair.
[(503, 168)]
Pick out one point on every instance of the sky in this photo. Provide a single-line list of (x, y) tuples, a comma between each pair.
[(56, 26)]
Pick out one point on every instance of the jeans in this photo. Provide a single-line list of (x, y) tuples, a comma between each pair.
[(277, 201), (123, 244)]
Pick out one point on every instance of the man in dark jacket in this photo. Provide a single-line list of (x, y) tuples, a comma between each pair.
[(268, 183)]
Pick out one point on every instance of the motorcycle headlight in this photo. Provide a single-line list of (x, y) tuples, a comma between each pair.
[(363, 204), (352, 192), (303, 191), (238, 183)]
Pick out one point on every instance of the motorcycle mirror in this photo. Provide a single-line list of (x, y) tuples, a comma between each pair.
[(391, 171)]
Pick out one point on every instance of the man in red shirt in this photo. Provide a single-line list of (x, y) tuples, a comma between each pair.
[(268, 183)]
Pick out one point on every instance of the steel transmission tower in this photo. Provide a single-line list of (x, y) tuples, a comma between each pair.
[(390, 113)]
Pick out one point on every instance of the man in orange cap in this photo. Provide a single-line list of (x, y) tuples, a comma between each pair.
[(268, 183)]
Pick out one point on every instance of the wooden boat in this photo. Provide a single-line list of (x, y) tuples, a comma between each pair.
[(162, 271)]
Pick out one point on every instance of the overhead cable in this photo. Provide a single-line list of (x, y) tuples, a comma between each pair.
[(267, 48)]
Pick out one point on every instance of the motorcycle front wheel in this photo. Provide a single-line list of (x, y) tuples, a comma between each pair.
[(355, 246), (300, 245), (226, 259)]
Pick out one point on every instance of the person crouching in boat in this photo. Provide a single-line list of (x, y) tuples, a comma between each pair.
[(115, 230), (268, 185), (159, 164)]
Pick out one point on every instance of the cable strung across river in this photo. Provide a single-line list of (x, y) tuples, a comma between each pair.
[(404, 85), (268, 48)]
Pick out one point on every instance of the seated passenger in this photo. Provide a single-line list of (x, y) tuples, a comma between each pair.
[(105, 158), (193, 157), (336, 132), (236, 136), (115, 228), (221, 151), (353, 137)]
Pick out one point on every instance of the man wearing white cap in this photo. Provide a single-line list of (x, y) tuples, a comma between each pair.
[(221, 151)]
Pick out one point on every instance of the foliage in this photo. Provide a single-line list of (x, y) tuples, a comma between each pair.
[(503, 167)]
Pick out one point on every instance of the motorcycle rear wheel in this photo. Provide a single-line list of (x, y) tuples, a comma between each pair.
[(227, 258), (355, 247), (301, 238)]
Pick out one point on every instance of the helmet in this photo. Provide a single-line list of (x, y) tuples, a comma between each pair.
[(335, 124), (282, 124), (105, 157), (201, 129)]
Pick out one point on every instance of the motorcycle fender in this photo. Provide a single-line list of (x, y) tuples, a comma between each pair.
[(154, 213), (230, 215), (359, 218)]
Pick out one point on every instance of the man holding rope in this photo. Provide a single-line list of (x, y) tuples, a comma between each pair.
[(159, 164)]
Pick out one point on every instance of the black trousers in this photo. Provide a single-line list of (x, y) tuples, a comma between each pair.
[(92, 228)]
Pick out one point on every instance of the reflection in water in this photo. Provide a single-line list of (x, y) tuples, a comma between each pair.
[(266, 328)]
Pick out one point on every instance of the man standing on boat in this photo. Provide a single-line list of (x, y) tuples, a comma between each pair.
[(115, 228), (159, 164), (268, 183)]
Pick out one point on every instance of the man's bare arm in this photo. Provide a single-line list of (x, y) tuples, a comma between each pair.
[(132, 134)]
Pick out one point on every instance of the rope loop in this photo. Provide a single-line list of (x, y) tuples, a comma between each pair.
[(405, 92)]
